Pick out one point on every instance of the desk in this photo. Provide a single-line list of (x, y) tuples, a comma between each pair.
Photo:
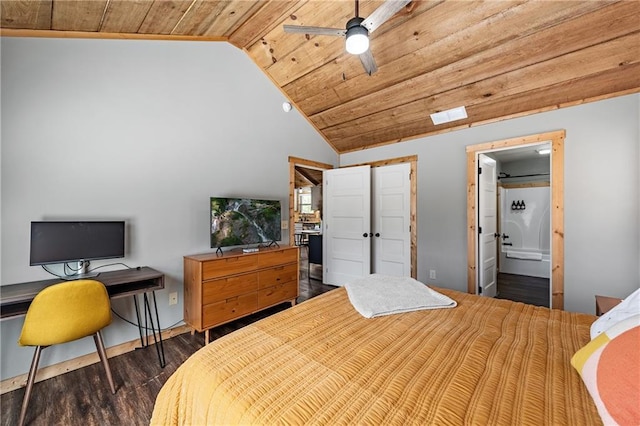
[(16, 298)]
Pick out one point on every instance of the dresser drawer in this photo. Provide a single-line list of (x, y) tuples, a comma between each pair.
[(229, 266), (278, 275), (224, 288), (277, 294), (277, 257), (227, 310)]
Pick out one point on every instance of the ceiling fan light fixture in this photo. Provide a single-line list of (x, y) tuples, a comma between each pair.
[(357, 37)]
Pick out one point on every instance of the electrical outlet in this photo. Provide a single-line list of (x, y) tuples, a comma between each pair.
[(284, 224), (173, 298), (432, 274)]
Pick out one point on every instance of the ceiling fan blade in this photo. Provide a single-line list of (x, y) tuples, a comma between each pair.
[(383, 13), (314, 30), (368, 62)]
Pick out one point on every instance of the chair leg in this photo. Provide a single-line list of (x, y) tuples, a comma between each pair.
[(103, 357), (31, 379)]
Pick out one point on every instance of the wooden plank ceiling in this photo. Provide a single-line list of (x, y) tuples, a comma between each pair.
[(499, 59)]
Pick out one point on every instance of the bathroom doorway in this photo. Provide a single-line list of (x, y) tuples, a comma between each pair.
[(523, 237), (521, 200)]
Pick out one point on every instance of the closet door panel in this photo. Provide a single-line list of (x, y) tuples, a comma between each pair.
[(391, 217), (347, 224)]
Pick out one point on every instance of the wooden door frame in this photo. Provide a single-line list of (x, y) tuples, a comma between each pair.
[(293, 162), (413, 201), (557, 207)]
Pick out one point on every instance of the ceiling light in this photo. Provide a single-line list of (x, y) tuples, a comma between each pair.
[(357, 37), (544, 151), (459, 113)]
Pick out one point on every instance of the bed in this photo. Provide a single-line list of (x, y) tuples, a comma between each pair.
[(484, 362)]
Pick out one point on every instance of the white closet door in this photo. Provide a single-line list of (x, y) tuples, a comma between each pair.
[(488, 223), (346, 224), (391, 218)]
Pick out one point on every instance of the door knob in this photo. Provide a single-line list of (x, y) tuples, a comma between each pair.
[(496, 235), (377, 234), (365, 235)]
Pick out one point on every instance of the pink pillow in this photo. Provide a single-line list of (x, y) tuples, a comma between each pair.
[(610, 368)]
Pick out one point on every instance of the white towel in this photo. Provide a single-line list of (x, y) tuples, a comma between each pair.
[(377, 295), (524, 255)]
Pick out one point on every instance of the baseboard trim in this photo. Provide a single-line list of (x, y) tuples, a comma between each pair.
[(54, 370)]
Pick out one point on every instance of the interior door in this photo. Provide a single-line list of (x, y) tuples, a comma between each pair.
[(487, 226), (391, 216), (346, 224)]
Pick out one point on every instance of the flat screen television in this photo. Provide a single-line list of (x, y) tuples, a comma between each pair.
[(244, 221), (62, 242)]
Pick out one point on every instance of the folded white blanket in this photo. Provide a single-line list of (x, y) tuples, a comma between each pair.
[(376, 295)]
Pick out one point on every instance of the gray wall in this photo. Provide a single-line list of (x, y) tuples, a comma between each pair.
[(601, 197), (143, 131)]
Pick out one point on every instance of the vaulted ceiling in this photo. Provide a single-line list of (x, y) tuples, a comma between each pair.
[(499, 59)]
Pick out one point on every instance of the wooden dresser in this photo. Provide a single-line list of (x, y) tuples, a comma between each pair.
[(219, 288)]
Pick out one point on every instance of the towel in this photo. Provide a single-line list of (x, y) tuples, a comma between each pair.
[(376, 295), (524, 255)]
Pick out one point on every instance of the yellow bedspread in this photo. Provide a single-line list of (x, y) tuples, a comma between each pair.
[(485, 362)]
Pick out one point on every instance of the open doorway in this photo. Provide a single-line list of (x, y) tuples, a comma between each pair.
[(522, 243), (305, 213), (514, 164)]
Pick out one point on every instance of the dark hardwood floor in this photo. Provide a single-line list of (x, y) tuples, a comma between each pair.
[(82, 397), (525, 289)]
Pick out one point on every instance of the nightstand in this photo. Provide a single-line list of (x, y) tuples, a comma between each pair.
[(605, 304)]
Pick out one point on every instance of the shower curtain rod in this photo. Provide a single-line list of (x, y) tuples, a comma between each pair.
[(507, 175)]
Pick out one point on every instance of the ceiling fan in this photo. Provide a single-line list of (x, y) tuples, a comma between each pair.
[(357, 31)]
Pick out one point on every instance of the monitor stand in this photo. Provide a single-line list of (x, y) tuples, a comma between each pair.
[(82, 272)]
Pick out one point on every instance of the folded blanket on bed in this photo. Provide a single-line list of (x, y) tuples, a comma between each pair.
[(376, 295)]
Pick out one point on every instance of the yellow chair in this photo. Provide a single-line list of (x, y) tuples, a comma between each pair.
[(62, 313)]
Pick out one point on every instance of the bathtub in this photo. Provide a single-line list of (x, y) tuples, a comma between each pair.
[(530, 262)]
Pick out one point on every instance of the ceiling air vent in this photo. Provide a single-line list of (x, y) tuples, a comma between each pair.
[(453, 114)]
